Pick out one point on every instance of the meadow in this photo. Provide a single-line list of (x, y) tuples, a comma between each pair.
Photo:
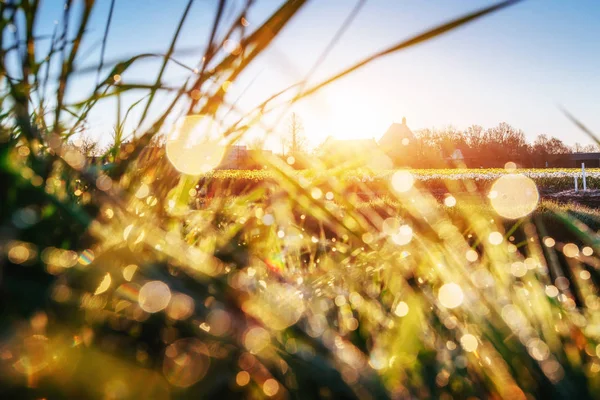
[(547, 180), (123, 279)]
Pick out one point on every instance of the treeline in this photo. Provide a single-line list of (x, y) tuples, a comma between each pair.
[(480, 147)]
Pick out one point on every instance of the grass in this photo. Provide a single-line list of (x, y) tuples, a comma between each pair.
[(113, 284)]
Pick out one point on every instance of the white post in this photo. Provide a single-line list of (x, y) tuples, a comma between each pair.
[(576, 188), (583, 175)]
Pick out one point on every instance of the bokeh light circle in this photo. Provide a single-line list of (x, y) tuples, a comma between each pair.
[(403, 235), (154, 296), (186, 362), (469, 342), (181, 307), (571, 250), (195, 145), (402, 181), (451, 295), (516, 196)]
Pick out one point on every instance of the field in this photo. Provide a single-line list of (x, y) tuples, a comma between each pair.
[(547, 180), (382, 282), (129, 272)]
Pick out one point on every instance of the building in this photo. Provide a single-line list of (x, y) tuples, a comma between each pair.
[(573, 160), (397, 134), (399, 143)]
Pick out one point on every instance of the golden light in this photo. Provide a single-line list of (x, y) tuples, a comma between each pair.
[(390, 226), (551, 291), (195, 145), (472, 255), (128, 272), (495, 238), (220, 322), (401, 309), (104, 285), (256, 339), (242, 378), (518, 269), (271, 387), (451, 295), (469, 342), (18, 253), (278, 308), (186, 362), (549, 242), (585, 275), (515, 196), (402, 181), (450, 201), (154, 296), (316, 193), (403, 235), (36, 355), (104, 182), (587, 251), (538, 349), (143, 191), (181, 307), (571, 250)]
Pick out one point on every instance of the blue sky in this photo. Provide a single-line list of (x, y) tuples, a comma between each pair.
[(516, 65)]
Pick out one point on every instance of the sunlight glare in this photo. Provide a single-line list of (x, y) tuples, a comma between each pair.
[(195, 145), (517, 196)]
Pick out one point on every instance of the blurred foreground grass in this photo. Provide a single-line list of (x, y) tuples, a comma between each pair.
[(115, 283)]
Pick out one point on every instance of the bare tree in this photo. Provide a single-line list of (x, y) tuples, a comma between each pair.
[(86, 145), (587, 148), (544, 145), (294, 138), (257, 143)]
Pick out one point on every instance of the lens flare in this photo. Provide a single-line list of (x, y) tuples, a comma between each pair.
[(401, 309), (242, 378), (403, 236), (195, 145), (186, 362), (104, 285), (154, 296), (451, 295), (270, 387), (86, 257), (402, 181), (256, 339), (469, 342), (450, 201), (516, 196), (571, 250), (180, 307)]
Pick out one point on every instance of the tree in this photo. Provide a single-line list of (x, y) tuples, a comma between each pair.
[(86, 146), (474, 137), (257, 143), (544, 145), (294, 138), (504, 143), (587, 148), (428, 152)]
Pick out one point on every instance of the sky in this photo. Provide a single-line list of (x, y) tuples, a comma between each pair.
[(517, 65)]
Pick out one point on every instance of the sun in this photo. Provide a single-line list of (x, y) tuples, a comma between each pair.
[(342, 115)]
